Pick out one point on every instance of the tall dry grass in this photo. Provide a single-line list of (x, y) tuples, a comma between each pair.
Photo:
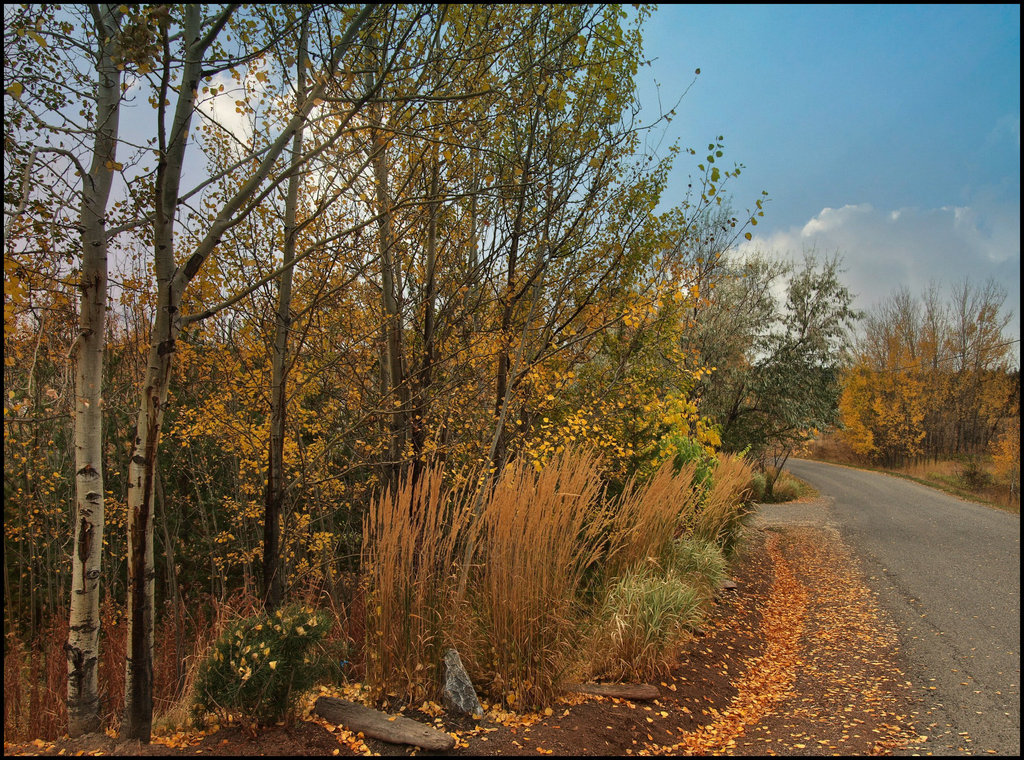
[(541, 532), (648, 515), (565, 584), (16, 688), (410, 541), (724, 510), (658, 578)]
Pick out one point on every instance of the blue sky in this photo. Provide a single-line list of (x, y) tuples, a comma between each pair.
[(890, 134)]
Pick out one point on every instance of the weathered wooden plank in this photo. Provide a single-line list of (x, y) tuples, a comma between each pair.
[(639, 691), (395, 729)]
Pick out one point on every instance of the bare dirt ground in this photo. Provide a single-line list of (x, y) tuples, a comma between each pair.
[(795, 661)]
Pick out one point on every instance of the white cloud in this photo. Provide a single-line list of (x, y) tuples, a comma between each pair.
[(222, 107), (884, 249)]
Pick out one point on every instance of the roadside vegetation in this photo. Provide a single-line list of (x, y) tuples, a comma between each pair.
[(787, 487), (933, 393), (380, 335), (987, 479), (407, 346)]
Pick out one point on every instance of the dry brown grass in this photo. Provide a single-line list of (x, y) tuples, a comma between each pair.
[(540, 534), (410, 538), (721, 515), (543, 603), (648, 515), (15, 691), (948, 474)]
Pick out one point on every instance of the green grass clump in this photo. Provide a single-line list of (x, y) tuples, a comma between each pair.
[(699, 563), (645, 617), (261, 664), (758, 486)]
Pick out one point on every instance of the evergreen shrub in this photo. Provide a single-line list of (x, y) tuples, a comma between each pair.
[(261, 664)]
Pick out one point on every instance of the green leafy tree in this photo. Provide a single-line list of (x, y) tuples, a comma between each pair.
[(776, 362)]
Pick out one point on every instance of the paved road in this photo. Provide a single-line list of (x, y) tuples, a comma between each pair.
[(948, 571)]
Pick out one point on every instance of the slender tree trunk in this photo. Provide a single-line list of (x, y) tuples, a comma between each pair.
[(171, 283), (142, 467), (508, 307), (424, 377), (273, 570), (141, 497), (84, 624), (173, 592), (396, 401)]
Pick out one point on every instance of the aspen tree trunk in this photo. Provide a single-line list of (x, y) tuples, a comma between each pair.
[(84, 624), (171, 283), (273, 568), (142, 467)]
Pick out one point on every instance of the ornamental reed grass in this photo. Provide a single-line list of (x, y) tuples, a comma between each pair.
[(647, 516), (540, 533), (721, 516), (564, 583), (410, 537), (646, 617), (651, 596)]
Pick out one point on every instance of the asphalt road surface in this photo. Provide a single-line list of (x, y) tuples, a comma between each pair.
[(948, 572)]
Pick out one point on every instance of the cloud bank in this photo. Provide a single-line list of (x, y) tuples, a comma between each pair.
[(884, 249)]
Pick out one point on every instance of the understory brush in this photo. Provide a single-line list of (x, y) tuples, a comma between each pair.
[(35, 669)]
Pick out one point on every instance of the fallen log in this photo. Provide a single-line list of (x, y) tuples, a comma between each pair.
[(638, 691), (395, 729)]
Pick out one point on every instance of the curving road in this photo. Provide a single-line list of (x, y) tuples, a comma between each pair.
[(948, 572)]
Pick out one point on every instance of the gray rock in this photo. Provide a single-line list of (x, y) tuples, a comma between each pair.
[(456, 689)]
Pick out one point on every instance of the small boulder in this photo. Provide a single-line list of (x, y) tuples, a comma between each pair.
[(457, 690)]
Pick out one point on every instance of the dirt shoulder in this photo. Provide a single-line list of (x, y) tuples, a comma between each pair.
[(796, 660)]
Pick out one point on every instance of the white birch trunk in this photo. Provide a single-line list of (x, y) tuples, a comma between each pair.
[(84, 621)]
